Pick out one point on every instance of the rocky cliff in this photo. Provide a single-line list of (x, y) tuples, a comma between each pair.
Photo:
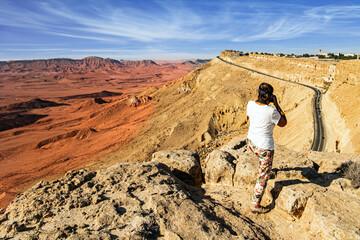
[(341, 107), (156, 200)]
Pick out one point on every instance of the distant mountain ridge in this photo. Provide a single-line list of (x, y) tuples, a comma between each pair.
[(196, 62), (72, 65), (79, 65)]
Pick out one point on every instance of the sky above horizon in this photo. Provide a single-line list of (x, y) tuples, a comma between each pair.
[(174, 29)]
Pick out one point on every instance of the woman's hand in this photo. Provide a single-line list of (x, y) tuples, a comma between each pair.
[(274, 100)]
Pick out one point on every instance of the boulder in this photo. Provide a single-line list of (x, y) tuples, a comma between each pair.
[(246, 170), (331, 215), (236, 146), (220, 168), (133, 101), (291, 199), (184, 164)]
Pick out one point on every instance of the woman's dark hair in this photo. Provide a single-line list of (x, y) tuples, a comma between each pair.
[(265, 91)]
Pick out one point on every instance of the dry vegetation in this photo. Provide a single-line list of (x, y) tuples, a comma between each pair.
[(351, 171)]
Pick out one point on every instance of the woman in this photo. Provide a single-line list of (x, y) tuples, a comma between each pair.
[(263, 119)]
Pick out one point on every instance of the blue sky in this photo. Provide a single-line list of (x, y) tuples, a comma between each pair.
[(173, 29)]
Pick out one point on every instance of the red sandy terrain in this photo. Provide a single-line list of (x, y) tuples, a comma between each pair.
[(62, 114), (25, 80)]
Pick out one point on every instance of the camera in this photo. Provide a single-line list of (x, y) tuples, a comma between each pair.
[(272, 98)]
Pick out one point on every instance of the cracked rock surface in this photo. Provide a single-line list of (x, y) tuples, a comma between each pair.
[(125, 201)]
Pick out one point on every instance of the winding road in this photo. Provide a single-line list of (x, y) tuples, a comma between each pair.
[(319, 136)]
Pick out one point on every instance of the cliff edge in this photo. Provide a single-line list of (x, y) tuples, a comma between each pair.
[(309, 199)]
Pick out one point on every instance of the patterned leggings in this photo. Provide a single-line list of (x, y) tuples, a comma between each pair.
[(265, 164)]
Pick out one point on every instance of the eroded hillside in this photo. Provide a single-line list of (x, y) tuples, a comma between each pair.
[(59, 114), (211, 101), (339, 82), (341, 108)]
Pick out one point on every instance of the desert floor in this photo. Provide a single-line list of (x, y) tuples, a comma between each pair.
[(94, 117)]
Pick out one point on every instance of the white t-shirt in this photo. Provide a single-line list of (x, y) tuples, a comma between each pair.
[(263, 119)]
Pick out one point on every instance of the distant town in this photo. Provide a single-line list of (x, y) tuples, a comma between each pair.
[(320, 55)]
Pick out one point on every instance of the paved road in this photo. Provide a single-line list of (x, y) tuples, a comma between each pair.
[(319, 136)]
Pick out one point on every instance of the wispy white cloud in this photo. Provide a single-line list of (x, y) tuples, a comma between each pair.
[(290, 22), (334, 12), (36, 49), (165, 23), (303, 20), (82, 36)]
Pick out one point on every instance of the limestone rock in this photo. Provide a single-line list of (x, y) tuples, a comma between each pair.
[(292, 200), (205, 138), (332, 216), (304, 173), (236, 146), (305, 203), (341, 184), (246, 170), (237, 143), (330, 162), (133, 101), (138, 201), (147, 201), (220, 168), (184, 164)]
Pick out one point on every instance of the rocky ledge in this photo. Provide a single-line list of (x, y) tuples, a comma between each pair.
[(161, 199)]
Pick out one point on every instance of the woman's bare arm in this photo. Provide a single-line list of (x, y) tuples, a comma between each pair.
[(282, 122)]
